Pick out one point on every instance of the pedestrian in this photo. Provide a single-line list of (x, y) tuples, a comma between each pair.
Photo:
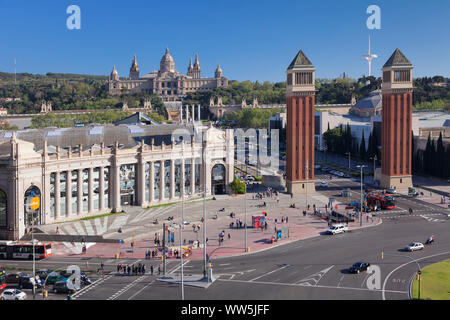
[(143, 269), (275, 221), (286, 219), (159, 269), (151, 269), (57, 230), (102, 266), (265, 225), (229, 236)]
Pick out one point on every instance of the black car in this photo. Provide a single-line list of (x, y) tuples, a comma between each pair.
[(14, 278), (358, 267), (26, 282), (65, 287), (43, 273)]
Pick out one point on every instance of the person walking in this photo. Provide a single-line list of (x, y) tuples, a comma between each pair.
[(159, 270), (151, 269)]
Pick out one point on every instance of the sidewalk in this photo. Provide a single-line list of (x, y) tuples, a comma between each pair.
[(299, 228)]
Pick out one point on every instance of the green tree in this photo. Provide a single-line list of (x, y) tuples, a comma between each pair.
[(238, 187), (362, 148)]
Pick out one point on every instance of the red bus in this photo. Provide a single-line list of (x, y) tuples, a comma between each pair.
[(24, 250), (2, 280), (382, 201)]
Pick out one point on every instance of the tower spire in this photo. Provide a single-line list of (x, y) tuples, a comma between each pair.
[(369, 58)]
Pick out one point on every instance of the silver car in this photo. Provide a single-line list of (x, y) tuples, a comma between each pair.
[(413, 246)]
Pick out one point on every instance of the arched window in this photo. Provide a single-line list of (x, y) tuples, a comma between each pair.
[(3, 209), (30, 213)]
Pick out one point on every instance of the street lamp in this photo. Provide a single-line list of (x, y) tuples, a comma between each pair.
[(245, 218), (361, 175)]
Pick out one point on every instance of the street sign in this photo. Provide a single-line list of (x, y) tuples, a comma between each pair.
[(35, 203)]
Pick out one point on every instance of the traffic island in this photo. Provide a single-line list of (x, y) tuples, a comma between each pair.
[(434, 282)]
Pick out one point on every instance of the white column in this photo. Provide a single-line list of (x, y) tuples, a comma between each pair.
[(68, 193), (161, 181), (57, 195), (101, 188), (151, 182), (141, 182), (193, 113), (80, 191), (182, 177), (91, 190), (181, 114), (187, 114), (192, 176), (116, 188), (199, 113)]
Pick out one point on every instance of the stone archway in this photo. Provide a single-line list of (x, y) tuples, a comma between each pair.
[(31, 214), (218, 179)]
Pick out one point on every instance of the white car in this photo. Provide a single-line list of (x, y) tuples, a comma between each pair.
[(413, 246), (391, 190), (337, 228), (323, 184), (13, 294)]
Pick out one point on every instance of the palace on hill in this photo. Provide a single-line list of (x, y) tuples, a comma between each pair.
[(168, 83)]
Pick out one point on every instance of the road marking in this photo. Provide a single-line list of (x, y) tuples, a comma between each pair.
[(90, 287), (126, 288), (285, 266), (179, 267), (317, 286), (340, 281), (141, 290), (401, 266), (320, 274)]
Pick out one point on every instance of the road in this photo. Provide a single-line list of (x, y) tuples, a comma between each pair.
[(313, 268)]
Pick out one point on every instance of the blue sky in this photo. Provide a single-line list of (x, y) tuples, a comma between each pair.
[(252, 40)]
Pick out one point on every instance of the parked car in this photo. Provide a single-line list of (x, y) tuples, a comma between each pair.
[(27, 282), (317, 166), (323, 185), (65, 286), (250, 178), (359, 267), (13, 294), (391, 190), (53, 277), (337, 228), (413, 246), (43, 273)]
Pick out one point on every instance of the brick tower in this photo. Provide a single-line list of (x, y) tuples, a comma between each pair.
[(300, 91), (397, 88)]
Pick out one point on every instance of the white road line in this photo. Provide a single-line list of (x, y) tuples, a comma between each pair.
[(401, 266), (92, 285), (271, 272), (140, 290), (126, 288), (318, 286), (178, 267)]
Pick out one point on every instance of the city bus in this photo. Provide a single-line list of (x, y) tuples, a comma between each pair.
[(24, 250), (382, 201)]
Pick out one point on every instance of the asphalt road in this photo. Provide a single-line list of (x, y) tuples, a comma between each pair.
[(314, 268)]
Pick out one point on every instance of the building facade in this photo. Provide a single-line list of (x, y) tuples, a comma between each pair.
[(397, 88), (142, 167), (167, 82), (300, 94)]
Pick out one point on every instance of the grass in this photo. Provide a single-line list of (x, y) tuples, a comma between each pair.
[(162, 205), (434, 283), (102, 215)]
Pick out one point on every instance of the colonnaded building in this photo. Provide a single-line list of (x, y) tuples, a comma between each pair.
[(78, 172), (167, 82)]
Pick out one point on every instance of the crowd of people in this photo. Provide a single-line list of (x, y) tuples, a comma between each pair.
[(131, 270)]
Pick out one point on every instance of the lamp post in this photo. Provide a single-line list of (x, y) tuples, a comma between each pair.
[(361, 175), (204, 204), (245, 218), (307, 176)]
